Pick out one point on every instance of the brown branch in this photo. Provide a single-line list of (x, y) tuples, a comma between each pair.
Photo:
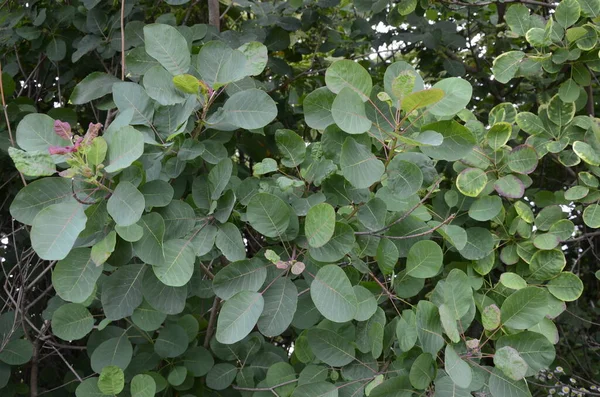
[(211, 321), (123, 40), (33, 377), (583, 237), (206, 271), (213, 14)]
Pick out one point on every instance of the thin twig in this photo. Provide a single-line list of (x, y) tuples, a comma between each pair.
[(487, 3), (10, 135), (582, 237), (67, 363), (189, 11), (425, 233), (39, 277), (265, 388), (406, 214), (39, 297)]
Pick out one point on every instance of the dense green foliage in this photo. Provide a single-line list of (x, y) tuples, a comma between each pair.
[(320, 198)]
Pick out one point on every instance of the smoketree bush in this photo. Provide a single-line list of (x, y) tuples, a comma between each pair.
[(315, 198)]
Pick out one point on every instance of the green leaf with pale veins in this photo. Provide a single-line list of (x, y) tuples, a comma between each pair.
[(333, 294), (281, 300), (38, 195), (122, 291), (35, 132), (102, 250), (238, 316), (506, 65), (319, 224), (330, 348), (244, 275), (124, 147), (165, 44), (111, 380), (126, 204), (429, 327), (359, 166), (459, 371), (143, 386), (250, 109), (32, 163), (55, 229), (74, 278), (291, 146), (471, 181), (424, 259), (349, 74), (150, 247), (422, 371), (524, 308), (510, 362), (268, 214), (220, 65), (317, 108), (349, 112)]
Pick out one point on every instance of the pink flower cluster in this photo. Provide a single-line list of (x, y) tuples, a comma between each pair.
[(63, 130)]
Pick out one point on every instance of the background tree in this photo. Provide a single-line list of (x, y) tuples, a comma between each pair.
[(299, 198)]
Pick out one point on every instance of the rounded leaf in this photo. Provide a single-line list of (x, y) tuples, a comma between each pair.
[(349, 74), (143, 386), (359, 165), (457, 95), (333, 295), (55, 229), (111, 380), (567, 287), (246, 275), (172, 341), (319, 224), (524, 308), (424, 259), (523, 159), (165, 44), (126, 204), (116, 351), (471, 181), (238, 316), (330, 348), (349, 113), (36, 133), (250, 109), (317, 108), (591, 216), (422, 371), (510, 362), (72, 322), (268, 214), (281, 300)]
